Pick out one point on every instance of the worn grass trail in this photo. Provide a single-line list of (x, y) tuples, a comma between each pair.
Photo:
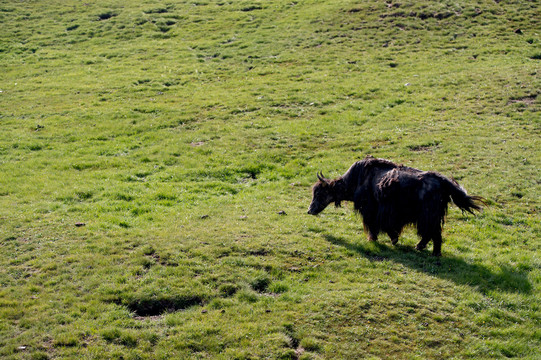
[(185, 136)]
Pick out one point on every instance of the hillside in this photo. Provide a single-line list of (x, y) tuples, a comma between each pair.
[(156, 163)]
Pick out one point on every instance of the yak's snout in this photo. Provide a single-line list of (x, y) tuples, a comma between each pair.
[(315, 209)]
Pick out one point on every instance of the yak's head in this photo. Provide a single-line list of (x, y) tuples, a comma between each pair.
[(324, 193)]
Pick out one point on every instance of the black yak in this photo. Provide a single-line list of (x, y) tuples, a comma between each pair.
[(390, 196)]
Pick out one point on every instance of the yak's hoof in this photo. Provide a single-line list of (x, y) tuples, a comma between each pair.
[(394, 241), (438, 254), (372, 238), (420, 247)]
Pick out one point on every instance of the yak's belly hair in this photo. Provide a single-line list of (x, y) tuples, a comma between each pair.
[(390, 196)]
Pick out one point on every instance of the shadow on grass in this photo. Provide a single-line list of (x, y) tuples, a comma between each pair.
[(156, 305), (447, 267)]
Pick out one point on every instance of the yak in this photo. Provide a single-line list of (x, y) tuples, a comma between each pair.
[(390, 196)]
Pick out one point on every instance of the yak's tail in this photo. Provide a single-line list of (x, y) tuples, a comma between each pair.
[(462, 199)]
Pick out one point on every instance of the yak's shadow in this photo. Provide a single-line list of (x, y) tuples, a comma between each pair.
[(447, 267)]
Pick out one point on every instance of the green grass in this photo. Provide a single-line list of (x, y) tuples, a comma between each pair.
[(185, 136)]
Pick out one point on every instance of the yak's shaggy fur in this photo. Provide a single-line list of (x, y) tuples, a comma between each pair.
[(390, 196)]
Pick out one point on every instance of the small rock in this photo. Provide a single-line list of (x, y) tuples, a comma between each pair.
[(21, 348), (204, 216), (204, 311), (518, 31), (79, 224), (243, 217), (268, 311), (281, 212)]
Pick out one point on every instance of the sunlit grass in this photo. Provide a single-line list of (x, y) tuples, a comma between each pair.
[(156, 163)]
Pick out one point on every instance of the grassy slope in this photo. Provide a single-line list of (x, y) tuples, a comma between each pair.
[(176, 132)]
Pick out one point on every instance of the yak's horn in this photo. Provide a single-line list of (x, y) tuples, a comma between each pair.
[(321, 177)]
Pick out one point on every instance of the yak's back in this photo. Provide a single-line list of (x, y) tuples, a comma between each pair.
[(370, 169), (387, 180), (372, 164), (399, 182)]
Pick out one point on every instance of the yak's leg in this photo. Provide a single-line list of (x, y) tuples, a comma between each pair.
[(422, 244), (436, 250), (372, 236), (372, 230), (371, 227), (393, 234), (428, 228), (424, 232)]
